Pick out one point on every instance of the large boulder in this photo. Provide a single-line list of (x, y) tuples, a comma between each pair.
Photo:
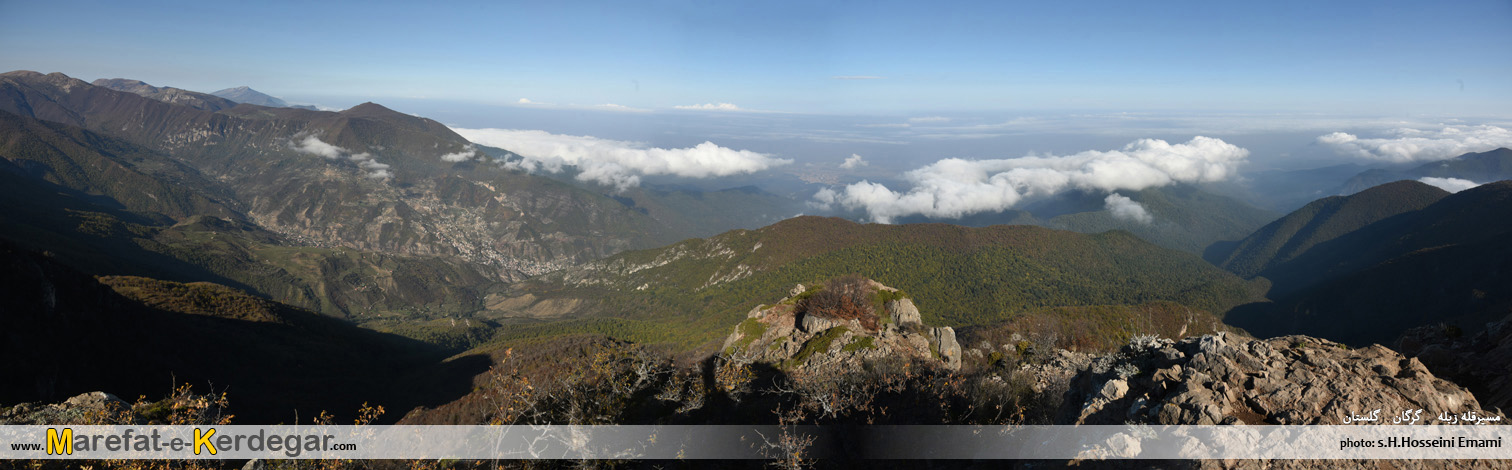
[(903, 312), (944, 338), (814, 324)]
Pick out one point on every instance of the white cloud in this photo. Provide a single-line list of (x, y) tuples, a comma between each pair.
[(711, 107), (853, 161), (618, 107), (375, 170), (824, 199), (525, 101), (929, 119), (1126, 209), (1452, 185), (462, 156), (857, 77), (314, 146), (618, 163), (954, 187), (1418, 145)]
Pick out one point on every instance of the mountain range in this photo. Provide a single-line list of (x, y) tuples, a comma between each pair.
[(247, 95), (138, 214), (1481, 167), (323, 184), (1364, 268)]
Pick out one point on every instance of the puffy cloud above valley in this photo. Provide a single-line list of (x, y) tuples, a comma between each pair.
[(852, 162), (954, 187), (1124, 208), (618, 163), (314, 146), (1404, 145), (1452, 185)]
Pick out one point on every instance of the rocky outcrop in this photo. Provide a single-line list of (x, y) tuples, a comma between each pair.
[(792, 339), (87, 408), (814, 324), (903, 312), (944, 340), (1482, 363), (100, 408), (1285, 380)]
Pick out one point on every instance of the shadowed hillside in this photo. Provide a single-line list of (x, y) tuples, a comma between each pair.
[(1318, 222), (66, 333), (1445, 262)]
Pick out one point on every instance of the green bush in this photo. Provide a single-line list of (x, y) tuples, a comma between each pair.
[(750, 329), (864, 342), (818, 344)]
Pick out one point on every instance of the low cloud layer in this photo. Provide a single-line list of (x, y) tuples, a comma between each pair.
[(618, 163), (314, 146), (1124, 208), (1452, 185), (1406, 145), (853, 161), (711, 107), (954, 187), (929, 119)]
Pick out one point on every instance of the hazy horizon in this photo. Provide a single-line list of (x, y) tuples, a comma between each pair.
[(956, 109)]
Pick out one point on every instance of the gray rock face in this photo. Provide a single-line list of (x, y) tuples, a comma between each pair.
[(1286, 380), (903, 312), (1483, 362), (785, 331), (814, 324), (87, 408), (950, 350), (797, 289)]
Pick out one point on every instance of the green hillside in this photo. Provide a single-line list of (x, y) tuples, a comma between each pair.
[(1183, 217), (1318, 222), (689, 292), (136, 179)]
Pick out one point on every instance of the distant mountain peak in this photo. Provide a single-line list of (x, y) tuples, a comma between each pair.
[(1492, 165), (167, 94), (370, 109), (54, 79), (245, 94), (114, 82)]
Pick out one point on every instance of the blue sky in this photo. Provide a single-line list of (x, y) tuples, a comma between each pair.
[(1367, 58)]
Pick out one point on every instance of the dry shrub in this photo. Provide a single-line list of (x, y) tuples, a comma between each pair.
[(844, 298)]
